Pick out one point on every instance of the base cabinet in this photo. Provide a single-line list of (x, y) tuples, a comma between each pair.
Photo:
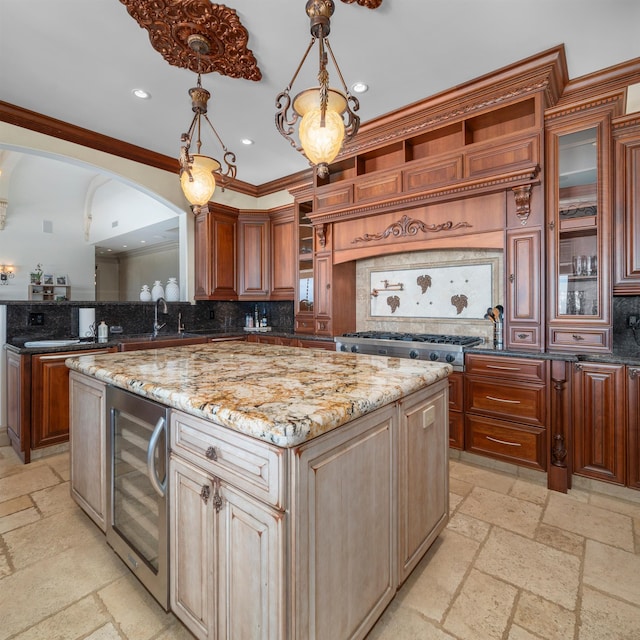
[(88, 442), (599, 414), (633, 423)]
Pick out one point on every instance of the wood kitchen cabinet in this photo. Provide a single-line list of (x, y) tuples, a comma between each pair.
[(88, 445), (626, 132), (506, 409), (305, 289), (215, 232), (38, 405), (456, 410), (253, 256), (599, 421), (579, 206), (283, 254), (633, 426)]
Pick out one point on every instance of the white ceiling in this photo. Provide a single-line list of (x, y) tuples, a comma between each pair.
[(79, 61)]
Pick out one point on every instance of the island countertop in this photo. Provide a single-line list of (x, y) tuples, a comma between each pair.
[(283, 395)]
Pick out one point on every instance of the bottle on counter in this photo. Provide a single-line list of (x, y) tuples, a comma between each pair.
[(103, 332)]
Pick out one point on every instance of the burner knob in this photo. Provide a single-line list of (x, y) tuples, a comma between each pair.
[(413, 354), (343, 347), (354, 348), (450, 357), (433, 356)]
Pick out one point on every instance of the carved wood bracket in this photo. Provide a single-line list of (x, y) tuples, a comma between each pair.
[(407, 226), (321, 232), (522, 195), (170, 24)]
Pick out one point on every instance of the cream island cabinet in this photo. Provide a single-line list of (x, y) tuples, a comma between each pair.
[(303, 485)]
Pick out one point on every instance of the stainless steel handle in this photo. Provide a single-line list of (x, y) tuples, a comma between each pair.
[(510, 444), (68, 355), (502, 400), (160, 487)]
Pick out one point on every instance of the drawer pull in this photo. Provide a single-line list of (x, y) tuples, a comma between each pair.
[(502, 400), (577, 337), (510, 444), (502, 368), (211, 454)]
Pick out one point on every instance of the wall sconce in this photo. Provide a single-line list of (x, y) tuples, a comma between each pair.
[(198, 172), (6, 272), (323, 129)]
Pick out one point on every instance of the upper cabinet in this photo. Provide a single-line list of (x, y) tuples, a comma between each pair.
[(305, 291), (579, 231), (626, 135)]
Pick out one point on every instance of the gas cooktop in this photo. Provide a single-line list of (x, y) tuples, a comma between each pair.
[(463, 341)]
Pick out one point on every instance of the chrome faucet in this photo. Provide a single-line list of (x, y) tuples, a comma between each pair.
[(156, 326)]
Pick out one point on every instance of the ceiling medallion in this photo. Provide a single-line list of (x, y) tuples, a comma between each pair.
[(171, 23), (370, 4)]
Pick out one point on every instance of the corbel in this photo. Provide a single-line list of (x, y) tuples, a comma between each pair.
[(522, 195)]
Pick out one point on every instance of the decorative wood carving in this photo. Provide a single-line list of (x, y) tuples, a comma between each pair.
[(558, 451), (407, 226), (523, 202), (321, 232), (370, 4), (170, 23)]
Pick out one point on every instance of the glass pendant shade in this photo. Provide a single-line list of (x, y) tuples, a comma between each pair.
[(321, 144), (199, 190)]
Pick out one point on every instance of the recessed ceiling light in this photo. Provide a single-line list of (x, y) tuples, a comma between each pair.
[(142, 241), (359, 87), (247, 141), (141, 93)]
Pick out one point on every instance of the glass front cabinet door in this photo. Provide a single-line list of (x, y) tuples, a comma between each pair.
[(579, 212)]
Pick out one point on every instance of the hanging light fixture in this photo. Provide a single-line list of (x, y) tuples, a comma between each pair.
[(322, 109), (198, 173)]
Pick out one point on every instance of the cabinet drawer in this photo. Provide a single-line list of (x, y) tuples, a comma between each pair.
[(580, 339), (456, 429), (524, 337), (456, 391), (323, 327), (521, 368), (304, 325), (521, 401), (251, 465), (517, 444)]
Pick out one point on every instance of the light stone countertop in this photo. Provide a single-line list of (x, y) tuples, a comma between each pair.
[(283, 395)]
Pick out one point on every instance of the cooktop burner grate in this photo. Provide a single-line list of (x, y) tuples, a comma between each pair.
[(463, 341)]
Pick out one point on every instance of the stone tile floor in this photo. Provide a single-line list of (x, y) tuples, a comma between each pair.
[(516, 562)]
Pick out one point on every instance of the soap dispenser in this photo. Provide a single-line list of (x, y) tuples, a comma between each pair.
[(103, 332)]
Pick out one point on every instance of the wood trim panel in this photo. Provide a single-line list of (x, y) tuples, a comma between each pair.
[(381, 185), (497, 158), (432, 174)]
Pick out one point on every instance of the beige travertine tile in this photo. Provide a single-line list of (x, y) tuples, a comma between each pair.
[(508, 512), (5, 568), (49, 536), (434, 582), (482, 609), (560, 539), (626, 507), (480, 477), (76, 621), (397, 623), (518, 633), (460, 487), (454, 502), (107, 632), (469, 527), (177, 631), (18, 519), (27, 480), (612, 570), (54, 499), (46, 587), (527, 564), (526, 490), (589, 521), (546, 619), (138, 615), (605, 618), (14, 505), (60, 464)]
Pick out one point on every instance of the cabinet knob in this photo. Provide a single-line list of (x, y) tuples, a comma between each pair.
[(328, 285), (634, 373), (512, 278), (211, 454), (205, 493)]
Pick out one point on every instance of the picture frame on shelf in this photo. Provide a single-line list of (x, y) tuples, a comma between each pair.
[(35, 278), (48, 279), (62, 281)]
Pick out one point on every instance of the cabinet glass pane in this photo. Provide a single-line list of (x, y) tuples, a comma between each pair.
[(305, 259), (578, 285)]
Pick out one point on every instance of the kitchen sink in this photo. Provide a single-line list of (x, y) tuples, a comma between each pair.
[(51, 343)]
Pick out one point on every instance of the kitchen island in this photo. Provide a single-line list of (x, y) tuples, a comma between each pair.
[(304, 485)]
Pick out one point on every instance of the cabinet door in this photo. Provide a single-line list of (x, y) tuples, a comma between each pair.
[(251, 568), (627, 210), (19, 403), (283, 255), (88, 441), (599, 413), (49, 399), (345, 509), (524, 282), (633, 421), (253, 257), (423, 478), (579, 206), (192, 543), (322, 274)]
